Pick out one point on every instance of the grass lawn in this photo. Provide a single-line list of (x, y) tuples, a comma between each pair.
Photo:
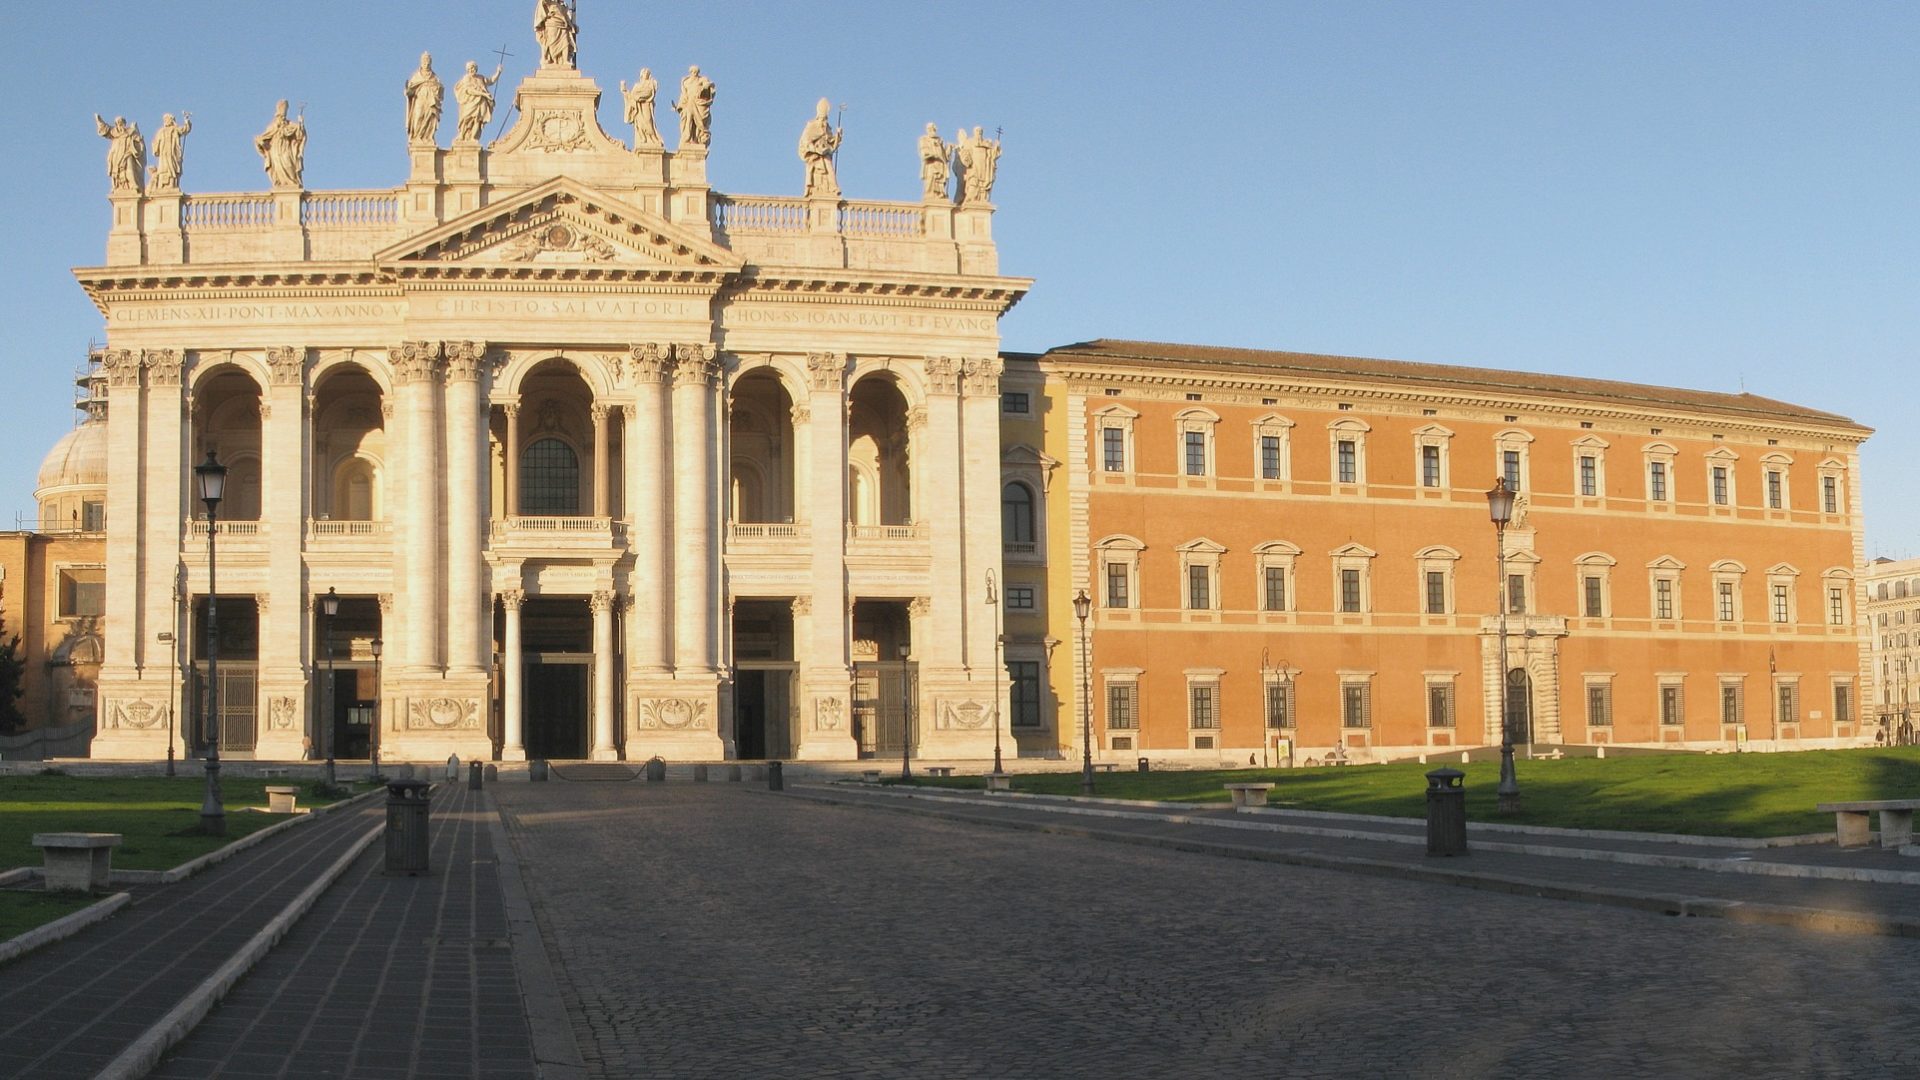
[(1702, 794), (22, 911), (159, 817)]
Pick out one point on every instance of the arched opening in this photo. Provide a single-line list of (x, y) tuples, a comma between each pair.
[(554, 466), (226, 420), (877, 452), (549, 478), (1016, 514), (349, 438), (760, 432), (1519, 706)]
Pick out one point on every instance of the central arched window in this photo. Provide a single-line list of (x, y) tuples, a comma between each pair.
[(1016, 514), (549, 479)]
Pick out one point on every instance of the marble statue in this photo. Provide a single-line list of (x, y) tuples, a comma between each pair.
[(556, 25), (474, 94), (639, 100), (978, 158), (424, 95), (933, 164), (283, 148), (695, 107), (818, 144), (126, 152), (169, 150)]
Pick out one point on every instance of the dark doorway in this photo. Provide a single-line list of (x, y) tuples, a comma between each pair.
[(750, 714), (556, 710), (1519, 706)]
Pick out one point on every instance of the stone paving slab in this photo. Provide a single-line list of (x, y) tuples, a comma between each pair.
[(68, 1009), (720, 931), (385, 976)]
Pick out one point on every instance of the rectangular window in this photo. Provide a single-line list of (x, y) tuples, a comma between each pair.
[(1019, 598), (1830, 494), (1269, 457), (1599, 705), (1436, 592), (1116, 585), (1723, 600), (1773, 489), (1015, 401), (1732, 706), (1672, 710), (1279, 705), (1594, 596), (1719, 485), (1349, 590), (1196, 453), (1113, 449), (1842, 703), (1199, 593), (1439, 705), (83, 593), (1430, 466), (1837, 606), (1356, 705), (1589, 475), (1275, 579), (1203, 710), (1026, 693), (1349, 462), (1516, 594), (1780, 603), (1663, 598), (1510, 468), (93, 516), (1123, 707), (1657, 481), (1787, 702)]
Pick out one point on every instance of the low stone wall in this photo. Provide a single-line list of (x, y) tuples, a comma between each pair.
[(41, 744)]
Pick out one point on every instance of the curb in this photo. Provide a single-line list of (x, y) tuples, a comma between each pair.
[(1733, 910), (139, 1058), (555, 1049), (64, 927), (219, 855)]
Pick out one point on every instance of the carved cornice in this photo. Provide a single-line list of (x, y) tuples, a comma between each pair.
[(415, 361), (464, 359), (285, 364), (163, 366), (942, 375)]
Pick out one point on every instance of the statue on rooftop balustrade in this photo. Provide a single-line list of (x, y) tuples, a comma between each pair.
[(474, 94), (978, 158), (819, 142), (556, 25), (169, 150), (934, 173), (695, 107), (424, 95), (126, 153), (639, 101), (283, 147)]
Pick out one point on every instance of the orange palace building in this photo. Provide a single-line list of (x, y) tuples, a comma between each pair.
[(1292, 554)]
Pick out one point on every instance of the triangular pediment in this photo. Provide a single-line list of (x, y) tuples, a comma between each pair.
[(558, 225)]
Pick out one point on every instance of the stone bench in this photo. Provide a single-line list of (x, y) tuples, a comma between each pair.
[(280, 800), (999, 781), (273, 773), (871, 776), (1249, 794), (1850, 821), (937, 770), (1104, 766), (77, 861)]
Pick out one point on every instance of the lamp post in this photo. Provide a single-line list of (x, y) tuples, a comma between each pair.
[(329, 606), (1281, 673), (211, 478), (1500, 511), (165, 637), (1082, 607), (999, 648), (906, 718), (373, 741)]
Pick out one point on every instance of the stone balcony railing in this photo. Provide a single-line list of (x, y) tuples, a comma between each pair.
[(872, 534), (557, 532), (237, 529), (777, 532), (348, 534)]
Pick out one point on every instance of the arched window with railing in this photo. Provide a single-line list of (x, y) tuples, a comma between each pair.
[(549, 479), (1016, 514)]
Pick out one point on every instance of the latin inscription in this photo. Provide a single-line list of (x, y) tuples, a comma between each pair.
[(601, 309), (860, 320), (225, 313)]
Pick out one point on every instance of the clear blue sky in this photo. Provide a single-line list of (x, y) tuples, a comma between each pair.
[(1707, 195)]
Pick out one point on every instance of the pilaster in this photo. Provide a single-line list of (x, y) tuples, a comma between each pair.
[(131, 716), (650, 518), (820, 623), (287, 646), (469, 605), (417, 369)]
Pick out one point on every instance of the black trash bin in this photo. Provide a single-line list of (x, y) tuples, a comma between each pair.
[(473, 776), (775, 782), (1143, 764), (656, 770), (407, 826), (1446, 812), (536, 770)]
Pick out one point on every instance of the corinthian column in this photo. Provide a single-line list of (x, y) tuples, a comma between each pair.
[(468, 502), (417, 366), (650, 645), (695, 569), (513, 745), (825, 730), (286, 635), (601, 604)]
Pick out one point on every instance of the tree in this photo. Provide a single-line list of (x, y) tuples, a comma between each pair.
[(13, 672)]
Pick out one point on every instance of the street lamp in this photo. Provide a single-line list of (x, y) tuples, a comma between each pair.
[(906, 720), (329, 606), (999, 645), (373, 743), (165, 637), (211, 478), (1500, 511), (1082, 607), (1281, 673)]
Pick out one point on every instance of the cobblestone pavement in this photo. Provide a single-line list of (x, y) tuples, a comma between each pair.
[(714, 930)]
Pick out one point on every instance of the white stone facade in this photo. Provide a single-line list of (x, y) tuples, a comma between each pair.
[(612, 465)]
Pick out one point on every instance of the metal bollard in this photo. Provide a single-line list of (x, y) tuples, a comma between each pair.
[(775, 781), (473, 776), (656, 770), (407, 832), (1446, 812), (453, 766), (699, 774), (493, 773), (537, 771), (733, 773)]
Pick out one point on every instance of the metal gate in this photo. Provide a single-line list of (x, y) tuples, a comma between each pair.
[(883, 710), (239, 717)]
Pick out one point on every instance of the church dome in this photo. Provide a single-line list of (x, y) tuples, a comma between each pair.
[(79, 459)]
